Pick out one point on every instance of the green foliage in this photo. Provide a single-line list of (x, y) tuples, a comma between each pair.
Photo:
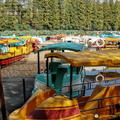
[(60, 15), (43, 32)]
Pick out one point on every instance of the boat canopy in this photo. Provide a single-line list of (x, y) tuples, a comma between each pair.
[(62, 46), (26, 37), (89, 58), (9, 41), (11, 36), (113, 39)]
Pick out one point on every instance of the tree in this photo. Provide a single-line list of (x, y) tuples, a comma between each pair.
[(97, 16), (60, 14), (2, 16), (88, 15), (46, 14), (75, 12), (26, 18), (117, 15), (107, 15), (64, 20), (54, 18), (11, 23), (80, 13)]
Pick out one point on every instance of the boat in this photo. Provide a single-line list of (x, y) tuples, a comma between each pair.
[(100, 43), (16, 48), (56, 69), (102, 104), (110, 43), (72, 38)]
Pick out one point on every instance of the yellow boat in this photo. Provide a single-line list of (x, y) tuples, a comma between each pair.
[(102, 104), (111, 43), (13, 49)]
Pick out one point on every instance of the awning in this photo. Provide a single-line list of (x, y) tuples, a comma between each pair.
[(89, 58), (62, 46), (9, 41), (112, 39)]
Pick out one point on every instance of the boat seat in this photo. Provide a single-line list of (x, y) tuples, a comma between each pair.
[(61, 71), (53, 69), (76, 70), (53, 66)]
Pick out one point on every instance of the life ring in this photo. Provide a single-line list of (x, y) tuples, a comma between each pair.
[(99, 78), (23, 41), (100, 42)]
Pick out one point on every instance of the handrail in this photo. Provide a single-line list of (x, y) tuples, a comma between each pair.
[(89, 84), (99, 100), (100, 105)]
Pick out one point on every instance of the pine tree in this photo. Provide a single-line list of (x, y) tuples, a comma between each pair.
[(35, 21), (115, 16), (2, 16), (80, 12), (97, 17), (26, 18), (63, 14), (76, 14), (107, 15), (88, 15), (70, 14), (112, 9), (46, 14), (54, 18)]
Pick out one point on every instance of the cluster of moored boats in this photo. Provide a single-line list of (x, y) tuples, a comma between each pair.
[(15, 48), (60, 92)]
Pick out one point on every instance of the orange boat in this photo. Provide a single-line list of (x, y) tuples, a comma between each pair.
[(102, 104)]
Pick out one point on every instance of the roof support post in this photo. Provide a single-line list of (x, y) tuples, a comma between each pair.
[(71, 77), (47, 72), (38, 56)]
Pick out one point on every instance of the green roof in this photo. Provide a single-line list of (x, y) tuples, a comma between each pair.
[(62, 46)]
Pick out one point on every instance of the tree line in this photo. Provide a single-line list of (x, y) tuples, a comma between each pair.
[(60, 15)]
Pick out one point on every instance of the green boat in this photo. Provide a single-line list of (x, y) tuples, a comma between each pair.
[(59, 71)]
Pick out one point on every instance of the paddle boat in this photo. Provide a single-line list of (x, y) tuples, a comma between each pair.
[(16, 48), (72, 38), (110, 34), (58, 68), (103, 43), (93, 41), (48, 104), (110, 43)]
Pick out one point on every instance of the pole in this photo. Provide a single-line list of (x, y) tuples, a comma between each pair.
[(47, 71), (71, 78), (38, 57), (2, 100), (24, 92)]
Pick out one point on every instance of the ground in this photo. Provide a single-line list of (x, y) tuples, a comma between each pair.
[(27, 67), (13, 76)]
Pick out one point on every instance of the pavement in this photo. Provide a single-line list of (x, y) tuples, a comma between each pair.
[(14, 92)]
